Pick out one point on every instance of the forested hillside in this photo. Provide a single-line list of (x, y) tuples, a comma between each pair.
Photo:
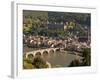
[(33, 21)]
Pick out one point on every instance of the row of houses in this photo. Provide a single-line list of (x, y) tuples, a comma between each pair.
[(45, 42)]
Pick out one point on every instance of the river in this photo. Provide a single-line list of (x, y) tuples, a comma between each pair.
[(62, 59)]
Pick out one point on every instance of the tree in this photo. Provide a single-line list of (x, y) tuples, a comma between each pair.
[(27, 63), (39, 63), (75, 63), (87, 57)]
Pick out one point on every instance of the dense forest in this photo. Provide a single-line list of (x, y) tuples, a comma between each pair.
[(43, 16)]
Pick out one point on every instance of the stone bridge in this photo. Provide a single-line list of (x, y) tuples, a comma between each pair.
[(43, 52)]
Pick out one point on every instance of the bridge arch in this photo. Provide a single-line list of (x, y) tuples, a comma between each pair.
[(51, 51), (37, 54), (45, 54), (57, 49), (29, 55)]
